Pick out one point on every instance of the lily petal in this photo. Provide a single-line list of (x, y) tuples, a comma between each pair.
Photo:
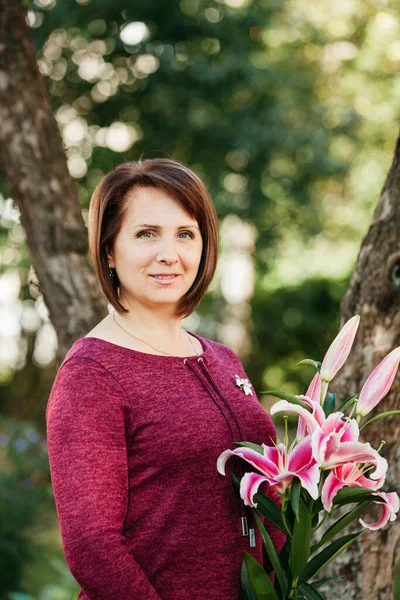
[(314, 389), (309, 479), (339, 350), (332, 485), (378, 383), (285, 406), (221, 462), (389, 510), (351, 432), (323, 446), (249, 485), (301, 456), (317, 413), (257, 460), (356, 452), (346, 475)]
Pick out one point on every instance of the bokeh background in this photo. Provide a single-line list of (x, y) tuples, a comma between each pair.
[(287, 110)]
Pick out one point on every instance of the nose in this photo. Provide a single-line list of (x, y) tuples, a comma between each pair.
[(167, 252)]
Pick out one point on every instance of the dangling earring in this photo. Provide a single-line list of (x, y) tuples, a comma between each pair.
[(112, 272)]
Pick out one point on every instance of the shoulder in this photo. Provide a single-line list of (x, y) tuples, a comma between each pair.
[(81, 380), (224, 352), (86, 370), (221, 348)]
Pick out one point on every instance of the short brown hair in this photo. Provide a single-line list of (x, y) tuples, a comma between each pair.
[(108, 206)]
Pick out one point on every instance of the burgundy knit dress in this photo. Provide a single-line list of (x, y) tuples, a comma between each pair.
[(133, 441)]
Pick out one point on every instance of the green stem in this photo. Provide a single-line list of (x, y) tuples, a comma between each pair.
[(293, 591), (323, 521), (353, 409), (284, 504), (285, 417)]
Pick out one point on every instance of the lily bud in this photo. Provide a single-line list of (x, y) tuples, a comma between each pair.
[(339, 350), (314, 389), (378, 383)]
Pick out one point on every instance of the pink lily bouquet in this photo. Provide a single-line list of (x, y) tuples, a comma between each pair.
[(326, 467)]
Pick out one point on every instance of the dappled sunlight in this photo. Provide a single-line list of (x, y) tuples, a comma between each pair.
[(288, 112), (296, 262), (134, 33), (22, 316)]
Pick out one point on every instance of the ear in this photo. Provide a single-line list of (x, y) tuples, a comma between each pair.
[(110, 259)]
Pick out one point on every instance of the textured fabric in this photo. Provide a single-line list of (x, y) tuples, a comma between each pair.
[(133, 441)]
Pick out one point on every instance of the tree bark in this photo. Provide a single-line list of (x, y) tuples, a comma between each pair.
[(370, 563), (32, 153)]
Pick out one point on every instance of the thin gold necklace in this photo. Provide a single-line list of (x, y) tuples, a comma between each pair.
[(144, 341)]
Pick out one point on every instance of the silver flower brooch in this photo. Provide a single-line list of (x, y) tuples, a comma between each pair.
[(244, 385)]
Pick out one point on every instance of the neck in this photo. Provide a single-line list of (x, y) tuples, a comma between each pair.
[(150, 325)]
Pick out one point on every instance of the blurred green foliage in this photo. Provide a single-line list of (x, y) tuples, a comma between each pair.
[(285, 109), (24, 491)]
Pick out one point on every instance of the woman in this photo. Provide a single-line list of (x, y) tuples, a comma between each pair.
[(141, 409)]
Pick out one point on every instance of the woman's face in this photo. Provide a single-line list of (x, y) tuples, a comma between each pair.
[(157, 237)]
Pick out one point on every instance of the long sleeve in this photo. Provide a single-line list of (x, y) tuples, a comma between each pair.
[(87, 420)]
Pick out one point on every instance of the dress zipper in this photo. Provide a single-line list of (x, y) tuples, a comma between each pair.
[(243, 519)]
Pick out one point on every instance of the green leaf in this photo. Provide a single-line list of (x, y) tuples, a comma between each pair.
[(309, 592), (389, 413), (308, 361), (273, 556), (295, 491), (350, 494), (260, 584), (288, 397), (245, 583), (327, 555), (300, 550), (269, 510), (290, 517), (329, 404), (265, 506), (314, 520), (284, 558), (255, 447), (340, 525), (317, 507), (322, 582), (342, 407)]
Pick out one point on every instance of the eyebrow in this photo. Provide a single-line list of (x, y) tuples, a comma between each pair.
[(158, 227)]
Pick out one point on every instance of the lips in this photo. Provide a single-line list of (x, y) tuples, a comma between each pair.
[(165, 279)]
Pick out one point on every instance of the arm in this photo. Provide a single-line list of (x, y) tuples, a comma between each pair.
[(87, 420)]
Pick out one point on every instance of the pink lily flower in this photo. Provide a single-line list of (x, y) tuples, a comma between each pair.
[(378, 383), (346, 475), (389, 510), (339, 350), (278, 467), (333, 440), (311, 398)]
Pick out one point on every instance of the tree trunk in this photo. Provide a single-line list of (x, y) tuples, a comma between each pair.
[(370, 564), (33, 157)]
